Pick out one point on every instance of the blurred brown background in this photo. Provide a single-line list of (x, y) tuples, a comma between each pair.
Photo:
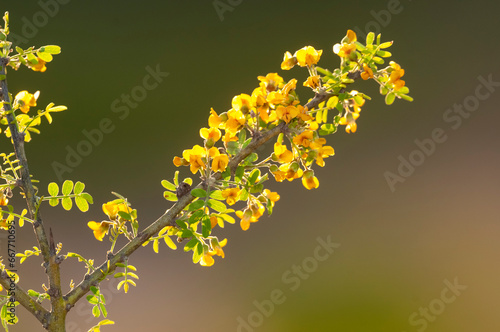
[(399, 251)]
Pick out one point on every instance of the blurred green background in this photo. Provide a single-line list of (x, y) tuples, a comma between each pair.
[(397, 249)]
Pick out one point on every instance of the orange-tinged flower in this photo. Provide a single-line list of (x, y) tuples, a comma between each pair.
[(396, 75), (207, 260), (235, 121), (279, 175), (100, 229), (309, 180), (40, 66), (292, 171), (228, 137), (351, 35), (4, 200), (367, 72), (344, 50), (242, 103), (287, 113), (25, 100), (350, 122), (271, 81), (308, 56), (211, 133), (312, 82), (112, 208), (304, 139), (275, 98), (231, 195), (219, 163), (194, 157), (290, 86), (4, 224), (214, 120), (251, 214), (289, 61), (324, 152), (273, 197), (282, 153)]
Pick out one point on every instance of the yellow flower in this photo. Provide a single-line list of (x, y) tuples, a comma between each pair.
[(4, 224), (304, 139), (211, 135), (4, 200), (271, 81), (25, 100), (290, 86), (228, 137), (112, 208), (40, 66), (308, 56), (289, 61), (273, 197), (396, 75), (345, 50), (242, 103), (312, 82), (235, 121), (282, 154), (251, 214), (324, 152), (292, 171), (178, 161), (367, 72), (194, 157), (219, 163), (279, 175), (309, 180), (287, 113), (207, 259), (350, 122), (214, 120), (231, 195), (259, 101), (100, 229)]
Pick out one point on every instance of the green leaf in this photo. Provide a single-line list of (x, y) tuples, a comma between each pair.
[(132, 275), (217, 194), (119, 275), (197, 253), (53, 189), (196, 205), (168, 185), (242, 137), (378, 60), (155, 246), (103, 310), (385, 45), (95, 311), (188, 181), (227, 218), (327, 129), (240, 170), (406, 97), (384, 54), (47, 57), (233, 147), (67, 204), (206, 227), (124, 215), (87, 197), (191, 244), (170, 196), (52, 49), (79, 186), (252, 157), (389, 98), (199, 193), (53, 202), (176, 178), (82, 204), (92, 299), (254, 176), (170, 243), (217, 205), (67, 187), (369, 38)]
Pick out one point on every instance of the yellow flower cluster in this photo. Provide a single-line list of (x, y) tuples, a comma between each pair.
[(111, 209)]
